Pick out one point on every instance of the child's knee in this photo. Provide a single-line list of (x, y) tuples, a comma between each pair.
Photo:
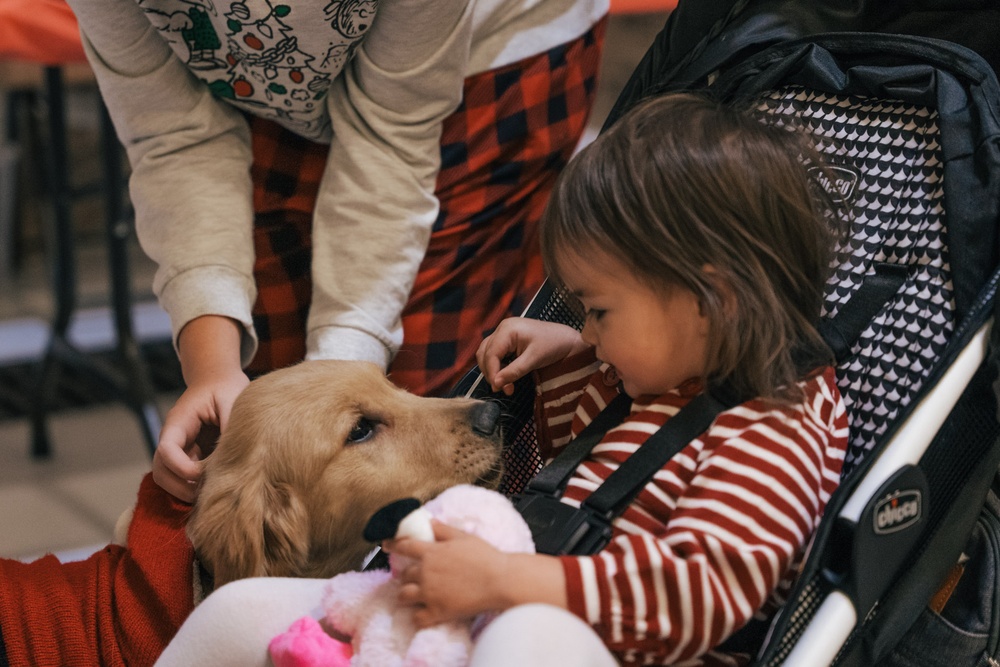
[(234, 624), (268, 600), (539, 634), (236, 595)]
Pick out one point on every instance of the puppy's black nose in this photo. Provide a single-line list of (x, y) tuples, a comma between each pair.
[(484, 417)]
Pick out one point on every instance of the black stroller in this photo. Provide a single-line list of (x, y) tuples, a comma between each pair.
[(911, 125)]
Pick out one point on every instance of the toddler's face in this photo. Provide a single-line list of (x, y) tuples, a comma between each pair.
[(655, 340)]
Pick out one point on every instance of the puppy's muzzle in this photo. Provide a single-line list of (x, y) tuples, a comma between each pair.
[(485, 418)]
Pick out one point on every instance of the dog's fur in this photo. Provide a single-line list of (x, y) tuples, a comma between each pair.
[(311, 452)]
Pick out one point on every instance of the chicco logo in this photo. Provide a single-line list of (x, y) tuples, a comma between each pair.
[(898, 511), (841, 188)]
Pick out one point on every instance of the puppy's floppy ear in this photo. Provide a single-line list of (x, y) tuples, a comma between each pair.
[(286, 532), (253, 530)]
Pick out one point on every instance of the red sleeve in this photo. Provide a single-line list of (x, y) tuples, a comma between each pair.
[(119, 607)]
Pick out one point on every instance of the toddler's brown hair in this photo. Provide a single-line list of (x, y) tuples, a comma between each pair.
[(706, 197)]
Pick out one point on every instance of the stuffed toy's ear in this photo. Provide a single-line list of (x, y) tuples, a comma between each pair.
[(385, 522)]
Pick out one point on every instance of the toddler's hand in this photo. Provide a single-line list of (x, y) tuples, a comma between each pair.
[(455, 577), (535, 343)]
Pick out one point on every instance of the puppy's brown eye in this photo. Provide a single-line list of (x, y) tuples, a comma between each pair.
[(363, 430)]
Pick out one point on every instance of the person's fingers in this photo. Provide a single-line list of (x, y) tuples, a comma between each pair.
[(408, 547), (167, 480), (489, 367), (490, 357), (482, 357), (443, 531), (410, 574), (514, 371), (182, 490), (172, 448), (175, 465), (409, 594)]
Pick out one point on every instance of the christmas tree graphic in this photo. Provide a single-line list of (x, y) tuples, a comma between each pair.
[(265, 66)]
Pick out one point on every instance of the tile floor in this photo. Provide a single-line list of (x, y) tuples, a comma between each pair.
[(69, 503)]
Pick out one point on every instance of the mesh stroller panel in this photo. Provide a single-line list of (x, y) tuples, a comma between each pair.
[(896, 215), (521, 459)]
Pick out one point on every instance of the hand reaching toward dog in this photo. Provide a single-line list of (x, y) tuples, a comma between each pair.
[(209, 353), (460, 575), (190, 431), (534, 343)]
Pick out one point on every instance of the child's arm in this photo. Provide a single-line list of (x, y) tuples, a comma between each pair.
[(190, 154), (534, 343), (459, 576), (210, 359), (739, 511)]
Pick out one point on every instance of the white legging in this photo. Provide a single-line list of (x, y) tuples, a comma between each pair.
[(234, 625), (537, 635)]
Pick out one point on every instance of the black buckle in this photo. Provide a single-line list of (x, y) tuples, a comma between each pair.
[(560, 529)]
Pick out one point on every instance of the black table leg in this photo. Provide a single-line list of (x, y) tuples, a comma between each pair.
[(131, 384)]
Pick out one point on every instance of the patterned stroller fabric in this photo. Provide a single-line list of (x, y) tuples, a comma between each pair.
[(896, 212), (911, 128)]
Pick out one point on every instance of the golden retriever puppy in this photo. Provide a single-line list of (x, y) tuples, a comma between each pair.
[(309, 454), (312, 451)]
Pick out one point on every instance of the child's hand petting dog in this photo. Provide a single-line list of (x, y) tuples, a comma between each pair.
[(533, 343), (190, 431)]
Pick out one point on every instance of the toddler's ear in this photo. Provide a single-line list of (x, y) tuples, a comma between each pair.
[(385, 523), (723, 289)]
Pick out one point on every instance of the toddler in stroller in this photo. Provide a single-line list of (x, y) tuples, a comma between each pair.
[(698, 244)]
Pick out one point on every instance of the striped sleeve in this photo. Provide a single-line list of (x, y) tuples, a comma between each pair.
[(567, 397), (710, 539)]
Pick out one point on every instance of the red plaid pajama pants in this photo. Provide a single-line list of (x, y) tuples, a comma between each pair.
[(501, 151)]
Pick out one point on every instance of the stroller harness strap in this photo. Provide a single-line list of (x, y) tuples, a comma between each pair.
[(559, 528), (843, 330), (623, 485), (551, 480)]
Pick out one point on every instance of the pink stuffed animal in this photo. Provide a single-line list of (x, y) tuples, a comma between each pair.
[(363, 605)]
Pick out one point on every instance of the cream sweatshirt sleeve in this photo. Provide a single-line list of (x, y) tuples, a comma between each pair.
[(376, 204), (191, 154), (190, 157)]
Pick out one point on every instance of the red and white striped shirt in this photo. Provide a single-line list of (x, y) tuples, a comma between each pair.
[(718, 531)]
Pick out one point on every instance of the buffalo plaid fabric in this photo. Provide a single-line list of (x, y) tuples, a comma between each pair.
[(501, 151)]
